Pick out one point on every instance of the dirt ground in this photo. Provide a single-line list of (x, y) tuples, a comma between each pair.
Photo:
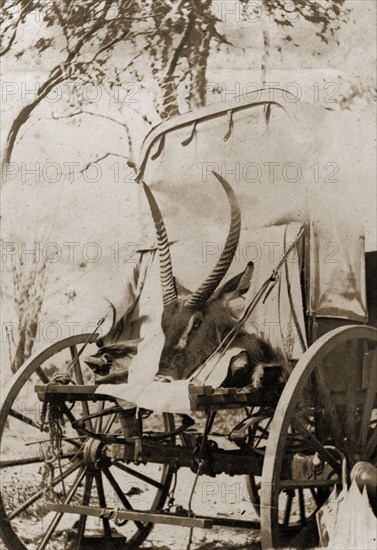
[(223, 495)]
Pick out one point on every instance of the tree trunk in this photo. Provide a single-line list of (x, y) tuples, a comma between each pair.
[(198, 53), (198, 69), (17, 124), (24, 115)]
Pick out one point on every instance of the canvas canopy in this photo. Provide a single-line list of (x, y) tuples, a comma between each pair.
[(347, 521), (287, 162)]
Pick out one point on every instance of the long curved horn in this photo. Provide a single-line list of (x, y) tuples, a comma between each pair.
[(200, 296), (169, 292)]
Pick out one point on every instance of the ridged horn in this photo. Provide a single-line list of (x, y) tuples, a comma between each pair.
[(169, 292), (200, 296)]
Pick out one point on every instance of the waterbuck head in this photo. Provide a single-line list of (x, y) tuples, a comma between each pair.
[(194, 325)]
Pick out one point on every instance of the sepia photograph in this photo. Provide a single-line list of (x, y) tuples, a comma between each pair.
[(188, 275)]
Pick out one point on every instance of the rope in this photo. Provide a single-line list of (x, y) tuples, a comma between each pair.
[(171, 497), (52, 414), (190, 511), (290, 298), (190, 538)]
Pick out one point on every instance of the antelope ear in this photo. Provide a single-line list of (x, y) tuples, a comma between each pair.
[(237, 286)]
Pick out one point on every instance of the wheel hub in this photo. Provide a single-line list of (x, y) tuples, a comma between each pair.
[(93, 452)]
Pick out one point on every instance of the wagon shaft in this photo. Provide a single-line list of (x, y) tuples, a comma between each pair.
[(139, 515), (201, 522)]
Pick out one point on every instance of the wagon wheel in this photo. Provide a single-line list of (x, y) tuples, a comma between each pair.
[(328, 409), (27, 483)]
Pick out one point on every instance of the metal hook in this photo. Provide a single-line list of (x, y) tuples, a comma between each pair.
[(191, 136), (160, 148), (230, 125)]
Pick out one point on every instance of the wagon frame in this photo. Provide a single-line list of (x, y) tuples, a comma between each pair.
[(302, 441)]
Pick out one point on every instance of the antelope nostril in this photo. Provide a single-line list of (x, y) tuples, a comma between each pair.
[(99, 343)]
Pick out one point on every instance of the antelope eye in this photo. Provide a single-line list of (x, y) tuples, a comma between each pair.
[(197, 323)]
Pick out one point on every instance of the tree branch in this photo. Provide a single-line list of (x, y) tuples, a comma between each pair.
[(86, 166), (266, 42), (61, 21), (58, 71), (78, 113), (56, 76), (107, 46), (100, 115), (175, 8), (14, 34)]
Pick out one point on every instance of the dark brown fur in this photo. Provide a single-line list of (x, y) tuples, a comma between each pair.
[(191, 336)]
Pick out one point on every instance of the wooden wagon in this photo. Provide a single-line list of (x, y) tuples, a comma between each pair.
[(85, 453)]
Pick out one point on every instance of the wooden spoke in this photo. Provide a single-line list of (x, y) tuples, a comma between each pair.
[(98, 421), (102, 503), (29, 460), (263, 432), (328, 403), (31, 500), (370, 398), (371, 445), (109, 423), (301, 505), (58, 515), (76, 365), (288, 508), (138, 475), (85, 501), (24, 419), (351, 384), (75, 442), (119, 493), (316, 444)]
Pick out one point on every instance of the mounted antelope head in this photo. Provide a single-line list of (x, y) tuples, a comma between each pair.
[(195, 325)]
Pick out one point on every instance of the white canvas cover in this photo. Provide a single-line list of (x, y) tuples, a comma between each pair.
[(287, 162), (347, 521)]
